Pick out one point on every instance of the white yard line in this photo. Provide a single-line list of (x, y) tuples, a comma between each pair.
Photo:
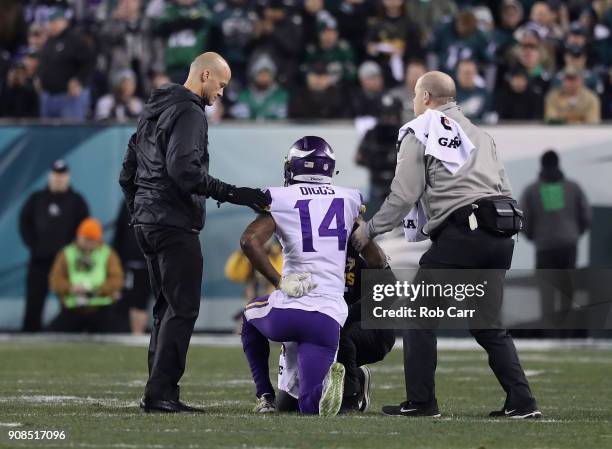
[(444, 343)]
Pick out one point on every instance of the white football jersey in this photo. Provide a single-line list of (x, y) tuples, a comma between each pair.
[(313, 225)]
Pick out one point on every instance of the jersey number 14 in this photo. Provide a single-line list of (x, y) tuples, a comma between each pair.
[(336, 210)]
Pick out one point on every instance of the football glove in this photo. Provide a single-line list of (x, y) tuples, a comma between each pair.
[(297, 284)]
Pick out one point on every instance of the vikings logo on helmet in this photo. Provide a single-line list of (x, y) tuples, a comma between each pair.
[(310, 159)]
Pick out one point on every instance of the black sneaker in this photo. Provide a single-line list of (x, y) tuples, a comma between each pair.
[(531, 412), (409, 408), (365, 378)]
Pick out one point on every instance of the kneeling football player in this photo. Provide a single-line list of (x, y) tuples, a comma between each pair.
[(357, 347), (311, 219)]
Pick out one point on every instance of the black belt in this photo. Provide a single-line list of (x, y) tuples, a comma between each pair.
[(498, 215)]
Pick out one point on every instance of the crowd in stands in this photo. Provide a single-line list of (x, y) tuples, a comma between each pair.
[(309, 59)]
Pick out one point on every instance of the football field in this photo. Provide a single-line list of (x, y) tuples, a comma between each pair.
[(90, 391)]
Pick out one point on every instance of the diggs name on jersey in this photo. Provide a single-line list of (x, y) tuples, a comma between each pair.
[(322, 190)]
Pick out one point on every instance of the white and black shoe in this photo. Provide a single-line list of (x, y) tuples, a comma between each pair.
[(265, 404), (531, 412), (365, 378), (409, 408)]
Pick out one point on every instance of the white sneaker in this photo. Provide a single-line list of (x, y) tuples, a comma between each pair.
[(333, 389)]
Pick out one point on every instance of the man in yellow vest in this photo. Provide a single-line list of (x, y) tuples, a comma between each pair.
[(87, 278)]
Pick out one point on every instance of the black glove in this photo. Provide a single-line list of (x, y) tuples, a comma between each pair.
[(245, 196)]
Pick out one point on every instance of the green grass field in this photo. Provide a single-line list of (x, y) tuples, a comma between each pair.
[(91, 392)]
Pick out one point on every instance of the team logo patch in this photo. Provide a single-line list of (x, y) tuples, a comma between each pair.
[(445, 123)]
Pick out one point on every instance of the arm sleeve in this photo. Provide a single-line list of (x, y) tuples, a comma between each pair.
[(127, 176), (406, 188), (114, 276), (26, 223), (183, 162), (58, 276), (506, 188)]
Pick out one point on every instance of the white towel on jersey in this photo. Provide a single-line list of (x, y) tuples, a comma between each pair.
[(443, 139)]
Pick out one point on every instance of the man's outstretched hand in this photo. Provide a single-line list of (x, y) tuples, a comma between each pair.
[(360, 238), (245, 196)]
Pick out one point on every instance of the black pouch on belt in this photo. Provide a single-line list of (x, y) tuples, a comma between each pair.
[(499, 215)]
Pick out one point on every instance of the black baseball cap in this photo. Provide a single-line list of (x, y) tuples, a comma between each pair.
[(59, 166)]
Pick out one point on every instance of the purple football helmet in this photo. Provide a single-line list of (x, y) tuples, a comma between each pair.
[(310, 159)]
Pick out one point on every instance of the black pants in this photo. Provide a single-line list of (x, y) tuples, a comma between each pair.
[(556, 284), (359, 347), (37, 289), (175, 264), (98, 320), (459, 247)]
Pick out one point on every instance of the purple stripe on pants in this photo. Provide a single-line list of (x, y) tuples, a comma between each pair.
[(317, 336)]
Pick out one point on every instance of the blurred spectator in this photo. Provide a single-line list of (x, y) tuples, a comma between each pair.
[(87, 278), (37, 36), (428, 15), (391, 39), (517, 99), (47, 222), (511, 15), (557, 213), (405, 93), (264, 99), (39, 11), (279, 36), (127, 43), (352, 16), (136, 294), (377, 151), (572, 102), (185, 27), (312, 13), (158, 80), (577, 36), (542, 21), (336, 54), (484, 19), (472, 97), (235, 24), (13, 28), (20, 98), (576, 57), (530, 54), (65, 68), (320, 99), (366, 99), (457, 40), (121, 104)]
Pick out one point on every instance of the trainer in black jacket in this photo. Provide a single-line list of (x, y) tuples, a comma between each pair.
[(165, 181)]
